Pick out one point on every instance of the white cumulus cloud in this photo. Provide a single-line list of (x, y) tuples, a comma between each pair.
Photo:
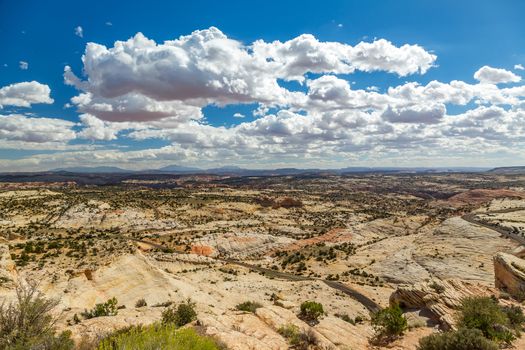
[(16, 127), (25, 94), (140, 78), (491, 75)]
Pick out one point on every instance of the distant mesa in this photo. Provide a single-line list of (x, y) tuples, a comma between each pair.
[(239, 171), (508, 170), (180, 169), (100, 169)]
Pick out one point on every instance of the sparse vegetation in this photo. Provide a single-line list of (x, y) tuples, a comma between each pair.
[(389, 323), (248, 306), (311, 311), (298, 339), (27, 323), (484, 314), (157, 336), (180, 315), (463, 339), (71, 234), (109, 308)]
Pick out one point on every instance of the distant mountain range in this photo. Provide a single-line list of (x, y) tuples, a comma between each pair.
[(235, 170)]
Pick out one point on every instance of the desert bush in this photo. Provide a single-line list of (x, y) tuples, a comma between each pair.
[(485, 314), (141, 303), (515, 316), (296, 338), (248, 306), (311, 311), (27, 323), (109, 308), (157, 336), (463, 339), (183, 314), (389, 323), (345, 318), (290, 332)]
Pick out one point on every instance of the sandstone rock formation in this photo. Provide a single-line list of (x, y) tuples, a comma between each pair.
[(458, 249), (440, 298), (509, 274), (238, 245), (7, 266)]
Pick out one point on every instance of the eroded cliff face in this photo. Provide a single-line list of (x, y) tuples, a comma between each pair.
[(509, 274)]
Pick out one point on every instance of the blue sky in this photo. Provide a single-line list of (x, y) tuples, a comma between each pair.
[(463, 35)]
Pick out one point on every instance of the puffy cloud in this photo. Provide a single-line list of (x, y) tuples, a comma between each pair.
[(519, 67), (24, 94), (79, 31), (139, 78), (305, 54), (141, 90), (97, 129), (200, 66), (23, 65), (489, 75), (15, 127)]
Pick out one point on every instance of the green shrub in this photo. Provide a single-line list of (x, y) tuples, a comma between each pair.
[(157, 336), (515, 316), (248, 306), (28, 324), (183, 314), (311, 311), (300, 340), (290, 332), (389, 323), (346, 318), (485, 314), (463, 339), (109, 308)]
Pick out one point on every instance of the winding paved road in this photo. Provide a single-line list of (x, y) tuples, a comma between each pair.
[(351, 292), (471, 217)]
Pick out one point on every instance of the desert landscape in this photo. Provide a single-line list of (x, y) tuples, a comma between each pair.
[(248, 252), (262, 175)]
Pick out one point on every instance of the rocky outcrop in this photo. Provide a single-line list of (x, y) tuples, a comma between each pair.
[(259, 331), (7, 266), (238, 245), (509, 274), (440, 298)]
